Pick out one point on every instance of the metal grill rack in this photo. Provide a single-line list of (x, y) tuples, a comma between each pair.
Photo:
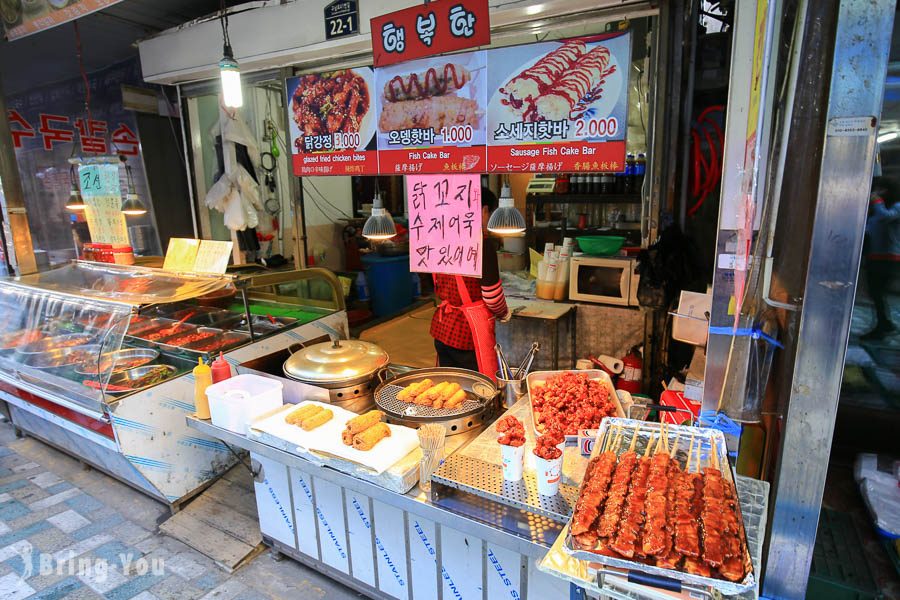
[(479, 478), (388, 402)]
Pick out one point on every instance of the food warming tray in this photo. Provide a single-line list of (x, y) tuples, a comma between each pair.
[(538, 378), (481, 399), (709, 440)]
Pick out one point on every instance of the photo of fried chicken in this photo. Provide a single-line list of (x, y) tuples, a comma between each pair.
[(328, 103)]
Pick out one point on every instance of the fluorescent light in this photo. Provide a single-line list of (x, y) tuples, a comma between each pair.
[(230, 72), (534, 9), (887, 137)]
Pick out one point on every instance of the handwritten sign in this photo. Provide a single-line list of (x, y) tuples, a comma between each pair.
[(185, 255), (444, 224), (102, 195)]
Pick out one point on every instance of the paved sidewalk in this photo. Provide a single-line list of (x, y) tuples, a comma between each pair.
[(70, 532)]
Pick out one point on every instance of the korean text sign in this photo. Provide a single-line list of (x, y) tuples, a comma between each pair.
[(559, 106), (37, 16), (431, 115), (444, 224), (332, 125), (429, 29), (102, 193)]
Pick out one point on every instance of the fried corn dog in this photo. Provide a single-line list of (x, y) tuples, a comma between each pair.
[(364, 421), (297, 416), (449, 391), (456, 399), (320, 418), (367, 439), (411, 391), (347, 437), (432, 394)]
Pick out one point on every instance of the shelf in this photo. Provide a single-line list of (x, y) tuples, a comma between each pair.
[(583, 199)]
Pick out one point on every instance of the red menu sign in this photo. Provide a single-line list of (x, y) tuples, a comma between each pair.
[(333, 123), (429, 29), (431, 115), (559, 106)]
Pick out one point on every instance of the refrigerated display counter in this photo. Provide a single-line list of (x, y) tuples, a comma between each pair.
[(96, 359)]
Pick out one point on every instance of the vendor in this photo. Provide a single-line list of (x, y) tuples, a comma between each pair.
[(470, 304)]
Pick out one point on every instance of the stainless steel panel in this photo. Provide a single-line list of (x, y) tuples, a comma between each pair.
[(857, 88)]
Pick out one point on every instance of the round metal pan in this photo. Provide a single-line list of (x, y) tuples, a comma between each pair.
[(481, 392), (62, 358), (125, 377), (59, 342)]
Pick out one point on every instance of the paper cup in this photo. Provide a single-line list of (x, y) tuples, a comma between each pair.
[(512, 461), (547, 474)]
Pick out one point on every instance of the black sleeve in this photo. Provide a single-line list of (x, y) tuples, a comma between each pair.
[(490, 264)]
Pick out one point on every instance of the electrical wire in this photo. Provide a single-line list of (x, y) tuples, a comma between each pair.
[(706, 170), (84, 77)]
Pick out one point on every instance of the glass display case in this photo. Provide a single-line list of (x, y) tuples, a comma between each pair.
[(91, 333)]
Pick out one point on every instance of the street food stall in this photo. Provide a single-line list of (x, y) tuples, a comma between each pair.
[(97, 359)]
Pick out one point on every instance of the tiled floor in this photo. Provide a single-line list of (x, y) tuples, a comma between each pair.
[(67, 532), (406, 338)]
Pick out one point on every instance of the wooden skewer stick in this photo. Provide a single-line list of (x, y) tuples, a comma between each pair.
[(690, 457), (649, 446), (674, 446), (634, 437), (714, 457)]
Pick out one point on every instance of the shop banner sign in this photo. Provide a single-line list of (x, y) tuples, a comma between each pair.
[(444, 224), (430, 29), (30, 16), (332, 125), (102, 193), (431, 115), (559, 106)]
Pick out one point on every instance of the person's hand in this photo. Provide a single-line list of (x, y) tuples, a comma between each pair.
[(506, 318)]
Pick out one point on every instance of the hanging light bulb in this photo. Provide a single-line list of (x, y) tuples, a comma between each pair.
[(506, 220), (229, 71), (75, 201), (380, 225), (132, 206)]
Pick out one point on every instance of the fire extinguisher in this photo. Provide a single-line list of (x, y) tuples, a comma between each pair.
[(630, 379)]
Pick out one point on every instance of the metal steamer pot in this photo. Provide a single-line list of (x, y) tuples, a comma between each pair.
[(349, 369)]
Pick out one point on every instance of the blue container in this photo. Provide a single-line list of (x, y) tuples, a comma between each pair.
[(389, 283)]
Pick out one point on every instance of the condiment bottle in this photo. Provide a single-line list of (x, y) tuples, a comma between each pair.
[(221, 370), (202, 380)]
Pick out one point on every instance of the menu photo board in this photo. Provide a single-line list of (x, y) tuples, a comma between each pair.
[(332, 124), (559, 106), (431, 115), (445, 224)]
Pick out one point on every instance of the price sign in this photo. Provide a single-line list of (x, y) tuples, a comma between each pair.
[(102, 195), (445, 224), (341, 19), (559, 106)]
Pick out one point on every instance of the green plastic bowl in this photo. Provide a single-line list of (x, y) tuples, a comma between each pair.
[(600, 245)]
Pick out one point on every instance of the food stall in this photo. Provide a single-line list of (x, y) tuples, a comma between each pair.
[(97, 359)]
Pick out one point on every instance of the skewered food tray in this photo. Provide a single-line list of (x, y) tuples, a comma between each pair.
[(662, 501), (476, 409)]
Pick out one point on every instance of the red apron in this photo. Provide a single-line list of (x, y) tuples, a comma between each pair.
[(481, 322)]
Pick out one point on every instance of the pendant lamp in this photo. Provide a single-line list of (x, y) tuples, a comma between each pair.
[(132, 206), (229, 71), (380, 225), (75, 201), (506, 220)]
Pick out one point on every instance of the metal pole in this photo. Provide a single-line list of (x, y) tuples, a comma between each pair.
[(182, 117), (15, 197), (299, 225), (861, 50)]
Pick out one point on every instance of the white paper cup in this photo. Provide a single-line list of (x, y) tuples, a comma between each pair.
[(547, 473), (512, 461)]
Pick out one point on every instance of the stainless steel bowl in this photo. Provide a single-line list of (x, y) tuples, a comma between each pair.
[(147, 355), (126, 377), (62, 358), (58, 342)]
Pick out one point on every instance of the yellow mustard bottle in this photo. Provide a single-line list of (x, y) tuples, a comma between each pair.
[(202, 380)]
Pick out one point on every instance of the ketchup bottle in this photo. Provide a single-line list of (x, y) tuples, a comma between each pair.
[(221, 370)]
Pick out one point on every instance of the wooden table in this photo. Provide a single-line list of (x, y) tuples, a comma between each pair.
[(548, 311)]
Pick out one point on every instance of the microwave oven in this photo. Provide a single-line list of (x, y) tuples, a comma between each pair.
[(605, 280)]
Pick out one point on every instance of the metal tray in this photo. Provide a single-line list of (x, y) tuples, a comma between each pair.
[(261, 325), (142, 329), (539, 377), (132, 374), (480, 391), (709, 440), (62, 359), (230, 340), (51, 343), (168, 343), (205, 316), (148, 355)]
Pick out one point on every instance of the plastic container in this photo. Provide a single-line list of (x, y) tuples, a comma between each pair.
[(388, 278), (202, 381), (547, 475), (600, 245), (236, 402), (122, 255), (839, 570), (512, 458)]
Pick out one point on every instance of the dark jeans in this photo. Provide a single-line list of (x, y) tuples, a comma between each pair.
[(454, 357), (879, 277)]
